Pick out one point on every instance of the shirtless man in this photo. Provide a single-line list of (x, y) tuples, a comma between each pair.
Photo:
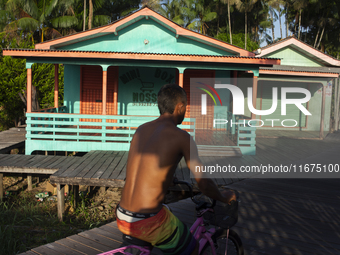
[(156, 149)]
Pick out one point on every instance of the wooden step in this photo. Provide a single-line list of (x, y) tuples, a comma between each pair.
[(218, 151)]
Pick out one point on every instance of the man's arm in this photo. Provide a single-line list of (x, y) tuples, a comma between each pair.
[(205, 184)]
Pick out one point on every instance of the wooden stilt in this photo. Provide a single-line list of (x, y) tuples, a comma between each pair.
[(75, 189), (102, 189), (61, 201), (29, 182)]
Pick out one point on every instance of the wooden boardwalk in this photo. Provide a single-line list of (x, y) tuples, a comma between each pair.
[(12, 139), (276, 216)]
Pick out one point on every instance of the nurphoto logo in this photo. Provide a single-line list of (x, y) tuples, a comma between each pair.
[(239, 99)]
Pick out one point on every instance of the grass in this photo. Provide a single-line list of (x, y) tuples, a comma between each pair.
[(26, 223)]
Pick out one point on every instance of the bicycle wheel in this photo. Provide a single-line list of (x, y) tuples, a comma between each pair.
[(220, 239)]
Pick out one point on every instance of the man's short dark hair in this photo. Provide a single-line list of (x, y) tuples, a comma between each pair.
[(168, 96)]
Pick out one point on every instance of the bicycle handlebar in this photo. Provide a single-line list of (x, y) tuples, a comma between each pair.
[(192, 194)]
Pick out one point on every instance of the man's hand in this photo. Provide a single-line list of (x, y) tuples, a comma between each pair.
[(228, 195)]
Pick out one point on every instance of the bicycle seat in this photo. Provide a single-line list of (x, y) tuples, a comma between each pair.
[(136, 241)]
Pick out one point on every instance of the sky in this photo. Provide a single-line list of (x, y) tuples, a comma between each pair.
[(277, 30)]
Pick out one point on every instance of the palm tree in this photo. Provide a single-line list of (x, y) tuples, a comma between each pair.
[(299, 5), (275, 6), (229, 2), (33, 16), (245, 6), (172, 9), (84, 16)]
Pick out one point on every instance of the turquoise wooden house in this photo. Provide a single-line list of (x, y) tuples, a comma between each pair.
[(111, 78), (302, 66)]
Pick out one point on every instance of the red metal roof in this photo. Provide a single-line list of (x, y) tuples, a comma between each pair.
[(298, 73), (138, 56)]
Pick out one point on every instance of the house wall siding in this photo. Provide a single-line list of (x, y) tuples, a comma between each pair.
[(160, 40), (290, 56), (72, 88)]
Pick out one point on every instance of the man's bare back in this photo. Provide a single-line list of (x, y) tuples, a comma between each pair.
[(155, 151)]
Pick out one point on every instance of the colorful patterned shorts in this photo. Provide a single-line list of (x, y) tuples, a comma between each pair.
[(163, 230)]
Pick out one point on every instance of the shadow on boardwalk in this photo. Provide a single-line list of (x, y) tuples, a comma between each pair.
[(277, 215)]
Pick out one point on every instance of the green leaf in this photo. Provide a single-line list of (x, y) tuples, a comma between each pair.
[(209, 16), (28, 24), (65, 21), (100, 20)]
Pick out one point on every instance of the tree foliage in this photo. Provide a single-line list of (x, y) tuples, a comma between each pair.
[(13, 81), (244, 23)]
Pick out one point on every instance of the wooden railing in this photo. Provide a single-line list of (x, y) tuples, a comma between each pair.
[(62, 109), (246, 138), (79, 132)]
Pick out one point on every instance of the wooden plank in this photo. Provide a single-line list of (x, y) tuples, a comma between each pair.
[(22, 160), (61, 160), (94, 242), (2, 156), (112, 166), (117, 236), (73, 163), (38, 163), (119, 167), (49, 162), (89, 166), (106, 164), (79, 247), (28, 253), (72, 172), (45, 250), (96, 167), (62, 249), (122, 174), (7, 160), (94, 235)]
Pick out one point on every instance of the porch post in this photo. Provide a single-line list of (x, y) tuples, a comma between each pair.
[(29, 88), (322, 110), (336, 104), (254, 95), (181, 76), (56, 85), (115, 97), (180, 79), (234, 78), (104, 89)]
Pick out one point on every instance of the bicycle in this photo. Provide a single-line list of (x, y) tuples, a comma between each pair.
[(217, 240)]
